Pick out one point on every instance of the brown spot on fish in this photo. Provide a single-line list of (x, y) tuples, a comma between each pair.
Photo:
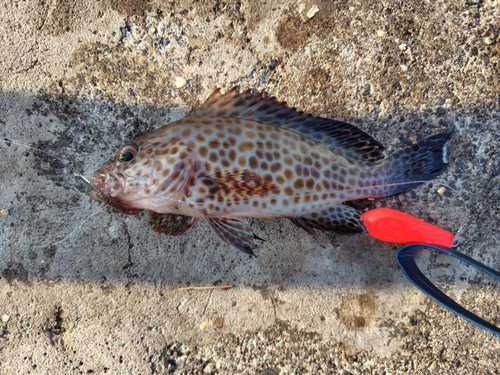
[(298, 170), (309, 183), (250, 134), (213, 157), (214, 143), (242, 161), (253, 162), (315, 173), (288, 191), (236, 131), (298, 183), (232, 155), (246, 146), (203, 150)]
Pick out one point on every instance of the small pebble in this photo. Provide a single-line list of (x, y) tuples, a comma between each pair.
[(404, 68), (314, 9), (4, 212), (180, 82), (432, 367), (488, 40), (441, 190), (381, 33), (5, 318), (204, 325)]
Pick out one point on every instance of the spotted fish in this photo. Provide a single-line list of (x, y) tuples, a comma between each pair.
[(241, 154)]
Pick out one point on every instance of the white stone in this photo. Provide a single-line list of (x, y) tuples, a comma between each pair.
[(314, 9), (180, 82)]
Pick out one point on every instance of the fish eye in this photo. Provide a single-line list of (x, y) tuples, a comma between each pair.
[(127, 153)]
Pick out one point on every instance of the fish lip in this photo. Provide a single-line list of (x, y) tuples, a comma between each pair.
[(104, 182), (101, 184)]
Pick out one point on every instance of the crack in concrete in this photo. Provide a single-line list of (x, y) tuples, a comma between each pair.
[(207, 303)]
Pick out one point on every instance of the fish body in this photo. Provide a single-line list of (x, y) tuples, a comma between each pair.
[(243, 155)]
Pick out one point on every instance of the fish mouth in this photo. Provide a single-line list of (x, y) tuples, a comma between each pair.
[(102, 192)]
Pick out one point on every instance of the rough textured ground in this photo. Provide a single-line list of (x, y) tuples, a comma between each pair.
[(87, 290)]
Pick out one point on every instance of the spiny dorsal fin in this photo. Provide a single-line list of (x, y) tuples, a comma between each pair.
[(354, 142)]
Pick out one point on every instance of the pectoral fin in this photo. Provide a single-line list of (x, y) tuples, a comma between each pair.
[(171, 224), (233, 231), (339, 219)]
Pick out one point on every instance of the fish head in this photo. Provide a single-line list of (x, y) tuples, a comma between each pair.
[(149, 174)]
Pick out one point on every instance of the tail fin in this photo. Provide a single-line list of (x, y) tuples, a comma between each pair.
[(420, 162)]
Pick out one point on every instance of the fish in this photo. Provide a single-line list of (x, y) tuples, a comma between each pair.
[(242, 154)]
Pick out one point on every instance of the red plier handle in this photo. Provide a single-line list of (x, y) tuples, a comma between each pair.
[(391, 225)]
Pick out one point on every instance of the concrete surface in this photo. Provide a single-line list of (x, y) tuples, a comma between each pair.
[(84, 289)]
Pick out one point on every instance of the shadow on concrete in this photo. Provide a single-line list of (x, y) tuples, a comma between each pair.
[(55, 230)]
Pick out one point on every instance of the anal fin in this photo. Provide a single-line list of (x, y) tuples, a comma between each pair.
[(171, 224), (339, 219), (233, 231)]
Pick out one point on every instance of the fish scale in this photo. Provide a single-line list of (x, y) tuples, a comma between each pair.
[(243, 155)]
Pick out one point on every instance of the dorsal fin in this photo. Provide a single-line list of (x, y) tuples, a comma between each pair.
[(352, 141)]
